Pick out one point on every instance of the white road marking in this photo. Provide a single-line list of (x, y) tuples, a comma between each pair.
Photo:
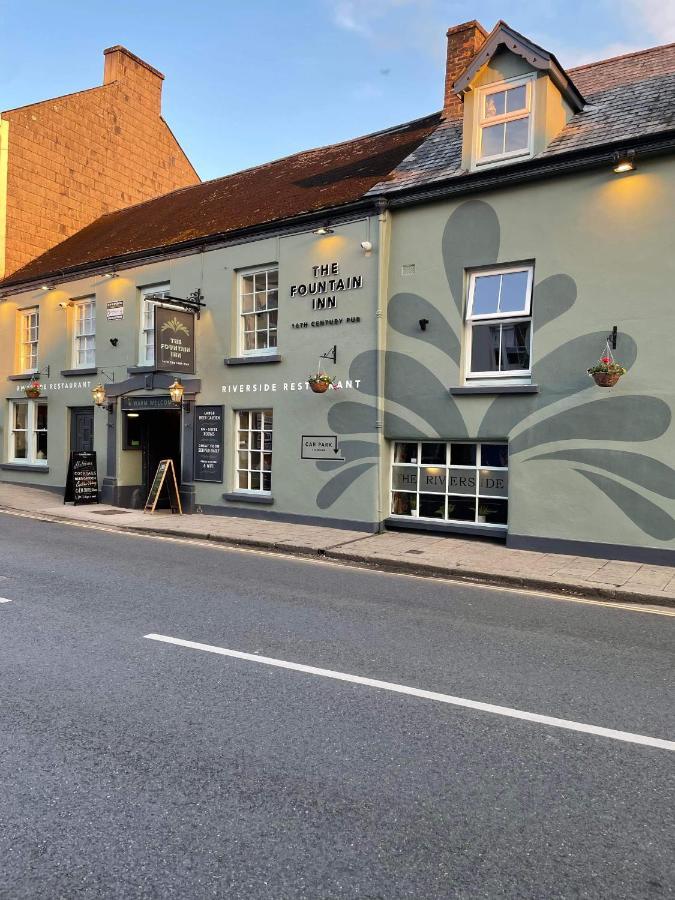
[(4, 600), (360, 567), (626, 736)]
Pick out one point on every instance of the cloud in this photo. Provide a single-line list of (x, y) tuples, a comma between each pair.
[(656, 17), (393, 24)]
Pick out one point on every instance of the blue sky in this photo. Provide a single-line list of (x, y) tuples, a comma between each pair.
[(248, 81)]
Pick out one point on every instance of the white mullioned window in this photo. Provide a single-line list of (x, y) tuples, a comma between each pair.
[(504, 121), (29, 330), (499, 324), (254, 450), (258, 311), (84, 333), (460, 482), (28, 432), (146, 355)]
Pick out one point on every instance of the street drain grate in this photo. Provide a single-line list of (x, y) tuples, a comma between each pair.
[(111, 512)]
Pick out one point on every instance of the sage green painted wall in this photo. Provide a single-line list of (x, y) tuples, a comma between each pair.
[(297, 484), (587, 463)]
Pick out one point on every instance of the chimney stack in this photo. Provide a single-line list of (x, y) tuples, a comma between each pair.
[(126, 68), (464, 41)]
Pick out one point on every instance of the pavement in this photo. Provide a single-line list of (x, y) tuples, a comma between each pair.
[(132, 768), (440, 556)]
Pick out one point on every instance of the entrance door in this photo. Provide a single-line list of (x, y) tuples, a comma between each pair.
[(82, 428), (160, 439)]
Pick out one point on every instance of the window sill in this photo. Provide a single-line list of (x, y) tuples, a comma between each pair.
[(495, 389), (497, 532), (23, 467), (252, 360), (90, 371), (243, 497), (19, 377)]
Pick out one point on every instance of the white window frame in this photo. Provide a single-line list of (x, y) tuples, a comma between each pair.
[(480, 161), (518, 376), (28, 365), (147, 310), (79, 336), (262, 351), (477, 496), (265, 411), (31, 431)]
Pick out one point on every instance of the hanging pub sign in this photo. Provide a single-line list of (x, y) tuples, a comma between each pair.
[(82, 480), (174, 341), (209, 443)]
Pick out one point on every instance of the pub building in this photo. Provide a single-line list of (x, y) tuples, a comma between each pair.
[(454, 277)]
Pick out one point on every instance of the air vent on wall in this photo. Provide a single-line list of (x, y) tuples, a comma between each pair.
[(408, 270)]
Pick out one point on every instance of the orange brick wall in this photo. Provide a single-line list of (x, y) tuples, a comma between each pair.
[(76, 157)]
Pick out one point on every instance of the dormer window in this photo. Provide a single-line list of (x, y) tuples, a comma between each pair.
[(504, 121)]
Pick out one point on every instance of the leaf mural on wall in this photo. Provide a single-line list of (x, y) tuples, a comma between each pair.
[(471, 238)]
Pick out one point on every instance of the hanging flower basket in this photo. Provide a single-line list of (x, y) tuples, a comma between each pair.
[(32, 389), (319, 382), (606, 372)]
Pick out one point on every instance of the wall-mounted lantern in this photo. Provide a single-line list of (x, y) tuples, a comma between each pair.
[(176, 391), (623, 162), (98, 395)]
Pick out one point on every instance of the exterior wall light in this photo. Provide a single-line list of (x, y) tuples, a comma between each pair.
[(324, 229), (110, 275), (45, 287), (176, 391), (98, 395), (624, 162)]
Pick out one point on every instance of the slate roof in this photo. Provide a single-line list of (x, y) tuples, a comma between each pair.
[(308, 182), (627, 97)]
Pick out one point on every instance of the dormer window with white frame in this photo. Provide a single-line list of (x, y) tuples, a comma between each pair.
[(499, 325), (504, 114)]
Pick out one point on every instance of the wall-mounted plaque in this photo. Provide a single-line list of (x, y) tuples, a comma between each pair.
[(208, 443), (320, 446), (114, 309), (174, 341)]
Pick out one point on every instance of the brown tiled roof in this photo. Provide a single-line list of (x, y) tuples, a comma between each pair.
[(308, 182), (628, 97)]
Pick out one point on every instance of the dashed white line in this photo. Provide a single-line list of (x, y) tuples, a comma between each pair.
[(625, 736), (4, 600)]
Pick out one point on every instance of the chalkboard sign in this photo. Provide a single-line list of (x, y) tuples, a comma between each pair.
[(82, 480), (209, 443), (165, 475)]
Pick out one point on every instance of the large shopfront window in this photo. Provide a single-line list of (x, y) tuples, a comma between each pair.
[(254, 450), (458, 482), (28, 433)]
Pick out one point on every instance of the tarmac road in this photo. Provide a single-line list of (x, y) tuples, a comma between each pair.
[(135, 768)]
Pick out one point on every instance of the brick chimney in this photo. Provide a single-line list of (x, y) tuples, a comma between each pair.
[(126, 68), (464, 41)]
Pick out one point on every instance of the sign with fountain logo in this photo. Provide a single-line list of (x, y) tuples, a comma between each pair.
[(174, 341)]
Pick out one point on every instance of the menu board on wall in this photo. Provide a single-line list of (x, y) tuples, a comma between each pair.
[(208, 443), (82, 480)]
